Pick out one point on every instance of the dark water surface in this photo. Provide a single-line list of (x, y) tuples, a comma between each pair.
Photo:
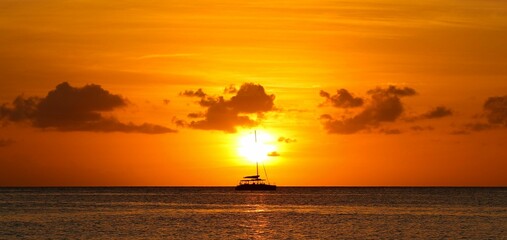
[(222, 213)]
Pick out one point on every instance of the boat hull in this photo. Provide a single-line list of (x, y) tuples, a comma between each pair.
[(255, 187)]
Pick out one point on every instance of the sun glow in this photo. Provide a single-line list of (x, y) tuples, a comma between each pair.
[(254, 151)]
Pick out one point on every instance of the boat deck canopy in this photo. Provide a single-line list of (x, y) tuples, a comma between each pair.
[(254, 176)]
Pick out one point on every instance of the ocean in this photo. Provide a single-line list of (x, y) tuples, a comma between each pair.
[(223, 213)]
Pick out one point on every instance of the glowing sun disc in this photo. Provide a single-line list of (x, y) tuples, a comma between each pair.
[(255, 151)]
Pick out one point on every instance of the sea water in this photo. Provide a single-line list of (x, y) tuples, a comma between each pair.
[(223, 213)]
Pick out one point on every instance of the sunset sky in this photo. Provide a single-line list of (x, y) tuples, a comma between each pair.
[(169, 93)]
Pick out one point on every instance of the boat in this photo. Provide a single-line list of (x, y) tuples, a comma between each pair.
[(255, 182)]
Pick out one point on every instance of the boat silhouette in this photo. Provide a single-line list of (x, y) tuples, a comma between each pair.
[(255, 182)]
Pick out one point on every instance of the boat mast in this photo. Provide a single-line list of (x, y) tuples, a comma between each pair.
[(257, 160)]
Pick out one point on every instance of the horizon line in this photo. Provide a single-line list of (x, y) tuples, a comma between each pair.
[(229, 186)]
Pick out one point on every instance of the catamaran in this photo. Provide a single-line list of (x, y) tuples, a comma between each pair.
[(255, 182)]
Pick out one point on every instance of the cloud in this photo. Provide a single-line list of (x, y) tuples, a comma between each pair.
[(231, 89), (273, 154), (286, 140), (384, 106), (195, 115), (68, 108), (227, 115), (4, 142), (342, 99), (437, 112), (496, 110), (251, 98), (179, 122), (189, 93), (222, 117), (22, 109), (208, 101), (394, 91)]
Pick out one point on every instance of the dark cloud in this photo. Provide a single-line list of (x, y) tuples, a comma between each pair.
[(195, 115), (222, 117), (394, 91), (342, 99), (4, 142), (226, 115), (286, 140), (179, 122), (346, 126), (437, 112), (231, 89), (189, 93), (496, 110), (22, 109), (68, 108), (273, 154), (251, 98), (384, 106), (208, 101)]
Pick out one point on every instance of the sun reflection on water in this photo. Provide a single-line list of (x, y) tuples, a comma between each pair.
[(256, 223)]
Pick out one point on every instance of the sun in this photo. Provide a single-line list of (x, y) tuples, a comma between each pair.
[(256, 151)]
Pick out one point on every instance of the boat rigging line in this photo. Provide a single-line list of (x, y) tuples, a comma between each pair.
[(265, 173)]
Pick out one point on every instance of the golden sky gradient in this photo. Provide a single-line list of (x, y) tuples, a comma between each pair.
[(346, 93)]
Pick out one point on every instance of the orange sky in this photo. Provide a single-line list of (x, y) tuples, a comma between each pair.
[(367, 92)]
